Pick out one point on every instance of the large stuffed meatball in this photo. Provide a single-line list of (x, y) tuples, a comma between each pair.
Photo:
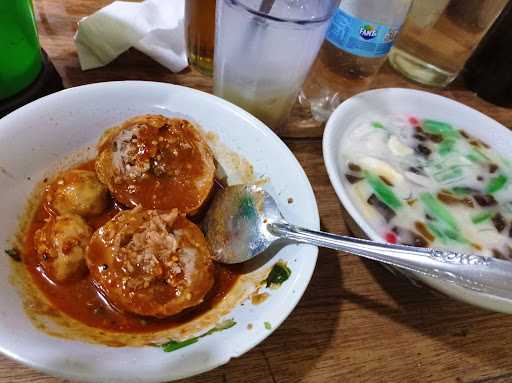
[(61, 246), (157, 162), (151, 263), (77, 192)]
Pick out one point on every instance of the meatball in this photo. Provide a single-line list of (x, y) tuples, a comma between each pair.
[(61, 246), (151, 263), (157, 162), (77, 192)]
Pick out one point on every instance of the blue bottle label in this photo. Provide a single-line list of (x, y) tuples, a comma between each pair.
[(361, 37)]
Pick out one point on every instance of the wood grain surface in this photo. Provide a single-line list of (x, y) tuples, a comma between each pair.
[(356, 322)]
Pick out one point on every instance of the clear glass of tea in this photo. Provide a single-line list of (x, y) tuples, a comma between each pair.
[(200, 31), (439, 36)]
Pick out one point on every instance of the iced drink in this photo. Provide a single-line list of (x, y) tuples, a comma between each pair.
[(263, 56)]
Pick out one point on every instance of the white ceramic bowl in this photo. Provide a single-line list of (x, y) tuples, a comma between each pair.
[(383, 102), (35, 137)]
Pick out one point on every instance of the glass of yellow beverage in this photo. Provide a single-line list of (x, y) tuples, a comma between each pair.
[(439, 36), (200, 31)]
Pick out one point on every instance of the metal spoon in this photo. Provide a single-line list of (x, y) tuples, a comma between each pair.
[(244, 220)]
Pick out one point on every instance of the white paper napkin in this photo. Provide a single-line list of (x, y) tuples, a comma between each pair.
[(154, 27)]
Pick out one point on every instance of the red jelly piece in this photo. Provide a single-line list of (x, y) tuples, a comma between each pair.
[(414, 121), (391, 238)]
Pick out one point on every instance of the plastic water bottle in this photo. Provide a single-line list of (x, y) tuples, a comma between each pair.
[(357, 42)]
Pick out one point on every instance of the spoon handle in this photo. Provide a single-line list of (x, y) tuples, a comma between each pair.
[(476, 272)]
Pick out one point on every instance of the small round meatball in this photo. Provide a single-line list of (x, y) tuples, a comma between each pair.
[(77, 192), (157, 162), (61, 246), (151, 263)]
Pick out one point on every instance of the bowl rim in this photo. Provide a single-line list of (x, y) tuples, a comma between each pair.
[(330, 149)]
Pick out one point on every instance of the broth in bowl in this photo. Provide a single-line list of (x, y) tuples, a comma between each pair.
[(427, 183), (115, 242)]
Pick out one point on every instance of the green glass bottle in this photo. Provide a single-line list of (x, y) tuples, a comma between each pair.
[(20, 53)]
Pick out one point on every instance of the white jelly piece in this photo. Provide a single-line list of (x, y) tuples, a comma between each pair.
[(398, 148)]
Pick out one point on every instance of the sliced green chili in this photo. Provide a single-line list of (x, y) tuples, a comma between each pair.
[(174, 345), (278, 275)]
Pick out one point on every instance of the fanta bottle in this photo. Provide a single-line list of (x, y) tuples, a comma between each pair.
[(357, 42)]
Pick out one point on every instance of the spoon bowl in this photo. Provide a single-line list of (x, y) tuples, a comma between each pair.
[(244, 220), (236, 224)]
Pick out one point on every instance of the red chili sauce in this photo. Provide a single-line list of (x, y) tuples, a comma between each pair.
[(81, 300)]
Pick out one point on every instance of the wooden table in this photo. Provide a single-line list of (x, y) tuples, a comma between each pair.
[(356, 321)]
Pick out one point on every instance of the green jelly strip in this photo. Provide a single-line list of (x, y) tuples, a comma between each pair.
[(377, 125), (442, 128), (382, 191), (461, 190), (496, 184), (472, 157), (446, 146), (477, 156), (445, 234), (447, 225), (437, 209), (506, 161), (437, 232), (481, 217), (454, 235), (454, 135), (449, 174)]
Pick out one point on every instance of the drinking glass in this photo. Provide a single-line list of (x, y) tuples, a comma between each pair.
[(439, 36), (21, 59), (263, 52), (200, 31)]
